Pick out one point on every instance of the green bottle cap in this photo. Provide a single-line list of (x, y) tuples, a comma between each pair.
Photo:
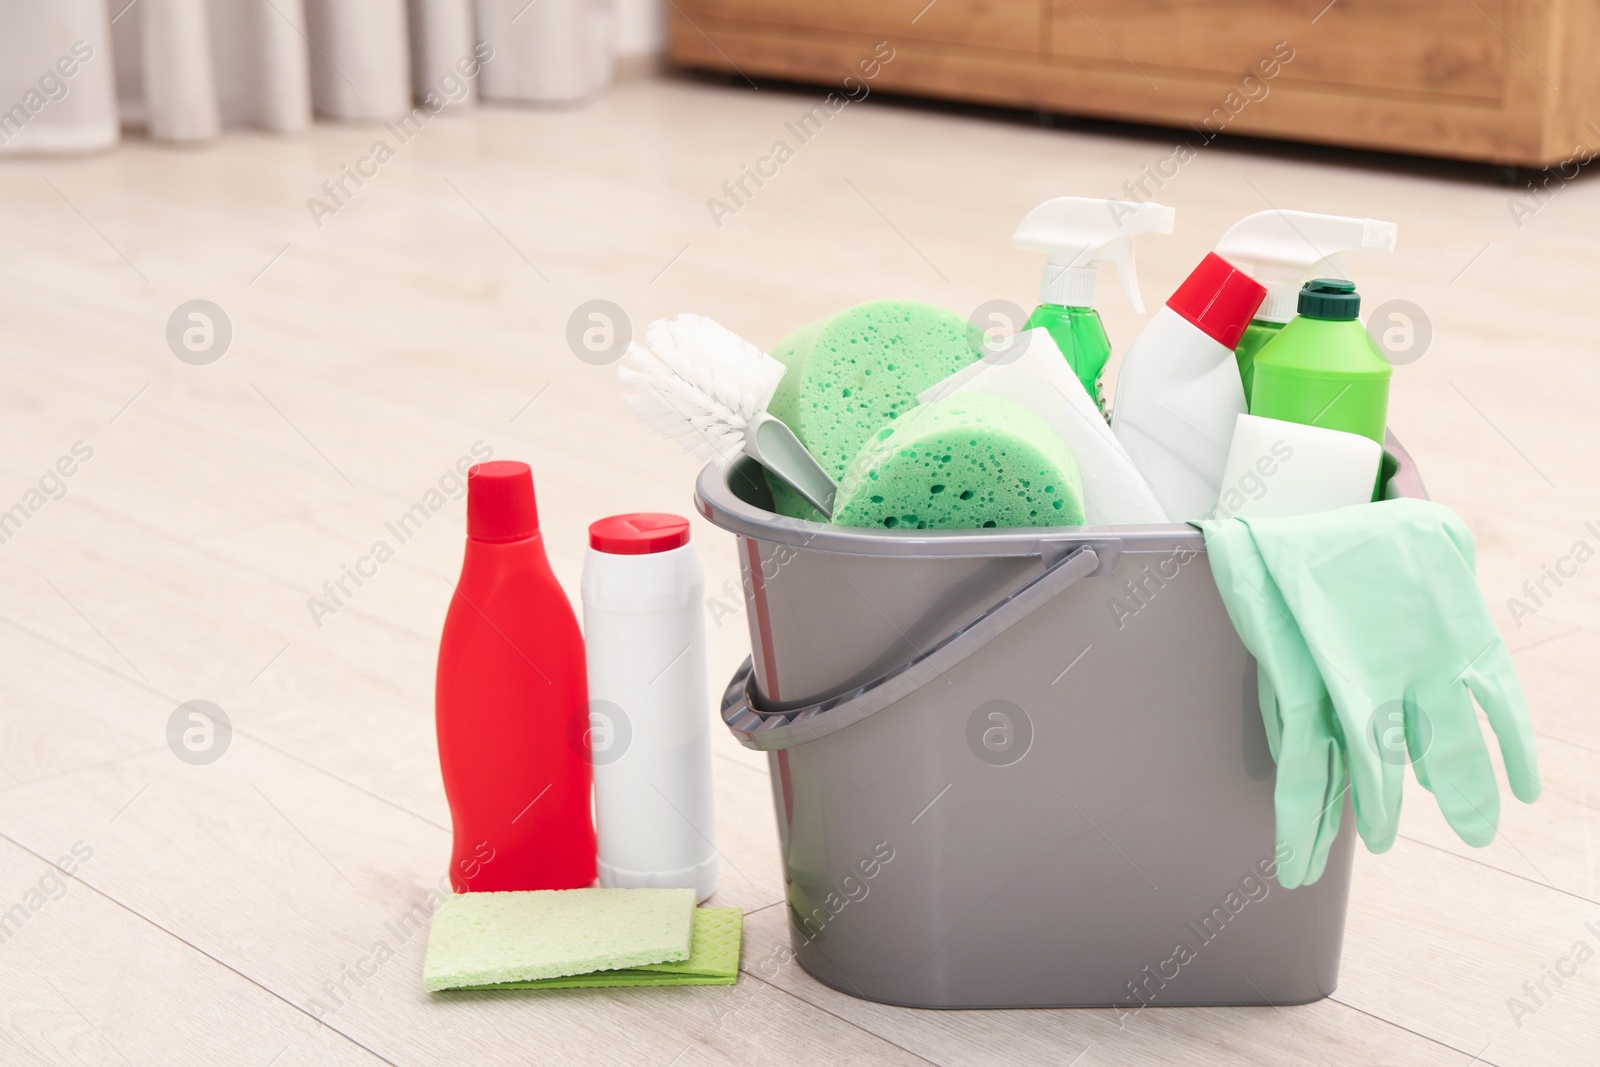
[(1329, 298)]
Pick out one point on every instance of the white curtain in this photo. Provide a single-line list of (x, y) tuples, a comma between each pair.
[(361, 66), (259, 52), (185, 69), (549, 51), (57, 86), (441, 34)]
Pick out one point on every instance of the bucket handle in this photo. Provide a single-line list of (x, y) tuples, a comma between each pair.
[(770, 730)]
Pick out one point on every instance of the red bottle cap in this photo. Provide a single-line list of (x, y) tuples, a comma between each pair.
[(1219, 298), (638, 534), (500, 505)]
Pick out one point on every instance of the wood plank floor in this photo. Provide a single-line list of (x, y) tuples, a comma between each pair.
[(221, 909)]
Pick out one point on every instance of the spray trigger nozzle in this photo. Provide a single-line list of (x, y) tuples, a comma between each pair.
[(1281, 248), (1079, 233)]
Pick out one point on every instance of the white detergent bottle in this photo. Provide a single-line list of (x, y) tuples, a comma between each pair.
[(649, 713), (1178, 393), (1281, 249)]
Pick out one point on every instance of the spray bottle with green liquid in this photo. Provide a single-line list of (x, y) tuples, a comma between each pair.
[(1078, 234), (1281, 249)]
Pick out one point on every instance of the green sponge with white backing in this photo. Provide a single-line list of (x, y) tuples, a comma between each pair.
[(852, 373), (482, 939), (967, 462)]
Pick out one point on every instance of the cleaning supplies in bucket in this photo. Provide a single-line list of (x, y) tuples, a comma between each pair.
[(699, 383), (1029, 370), (850, 380), (969, 461), (1280, 249), (1278, 468), (644, 620), (852, 373), (1323, 368), (1179, 394), (1079, 233), (510, 700), (1371, 639)]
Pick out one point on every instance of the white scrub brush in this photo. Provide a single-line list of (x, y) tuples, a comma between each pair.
[(699, 383)]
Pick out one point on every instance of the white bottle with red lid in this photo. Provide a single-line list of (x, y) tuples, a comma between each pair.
[(1179, 394), (649, 712)]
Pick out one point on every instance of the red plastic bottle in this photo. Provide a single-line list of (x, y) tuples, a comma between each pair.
[(511, 703)]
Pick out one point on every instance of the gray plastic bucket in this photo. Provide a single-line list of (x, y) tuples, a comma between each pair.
[(1019, 768)]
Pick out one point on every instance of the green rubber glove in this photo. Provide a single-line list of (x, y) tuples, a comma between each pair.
[(1384, 598), (1295, 706)]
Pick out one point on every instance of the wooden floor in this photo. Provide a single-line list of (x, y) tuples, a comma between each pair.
[(218, 904)]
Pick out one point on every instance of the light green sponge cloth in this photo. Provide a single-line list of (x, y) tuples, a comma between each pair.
[(713, 960), (851, 373), (482, 939), (967, 462)]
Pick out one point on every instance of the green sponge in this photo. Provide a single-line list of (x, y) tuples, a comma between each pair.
[(713, 960), (969, 461), (851, 373), (487, 938)]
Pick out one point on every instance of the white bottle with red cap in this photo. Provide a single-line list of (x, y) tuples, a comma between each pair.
[(1179, 393), (649, 711)]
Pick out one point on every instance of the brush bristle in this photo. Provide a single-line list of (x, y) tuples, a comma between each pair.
[(697, 382)]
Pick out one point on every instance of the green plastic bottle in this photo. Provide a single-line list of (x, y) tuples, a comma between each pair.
[(1082, 339), (1256, 335), (1281, 248), (1322, 369)]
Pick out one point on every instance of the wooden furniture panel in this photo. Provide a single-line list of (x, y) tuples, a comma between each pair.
[(1018, 25), (1574, 115), (1419, 46), (1498, 81)]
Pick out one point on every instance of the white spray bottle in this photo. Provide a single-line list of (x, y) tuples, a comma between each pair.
[(1079, 233), (1282, 249)]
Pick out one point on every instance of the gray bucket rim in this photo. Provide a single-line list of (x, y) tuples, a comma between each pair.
[(716, 501)]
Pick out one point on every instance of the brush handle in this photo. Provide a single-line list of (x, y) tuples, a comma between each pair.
[(773, 445)]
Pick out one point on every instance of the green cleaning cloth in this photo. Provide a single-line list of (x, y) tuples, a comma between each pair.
[(967, 462), (713, 960), (852, 373), (480, 939)]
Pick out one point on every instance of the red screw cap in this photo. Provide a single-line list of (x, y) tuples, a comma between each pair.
[(639, 534), (500, 504), (1218, 298)]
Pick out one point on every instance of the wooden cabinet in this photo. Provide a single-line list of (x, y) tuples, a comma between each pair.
[(1398, 46), (1501, 81), (1002, 24)]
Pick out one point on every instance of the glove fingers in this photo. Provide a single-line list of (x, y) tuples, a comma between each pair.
[(1294, 705), (1494, 682), (1457, 760), (1301, 793), (1375, 776), (1418, 738), (1271, 714), (1383, 824), (1332, 815)]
